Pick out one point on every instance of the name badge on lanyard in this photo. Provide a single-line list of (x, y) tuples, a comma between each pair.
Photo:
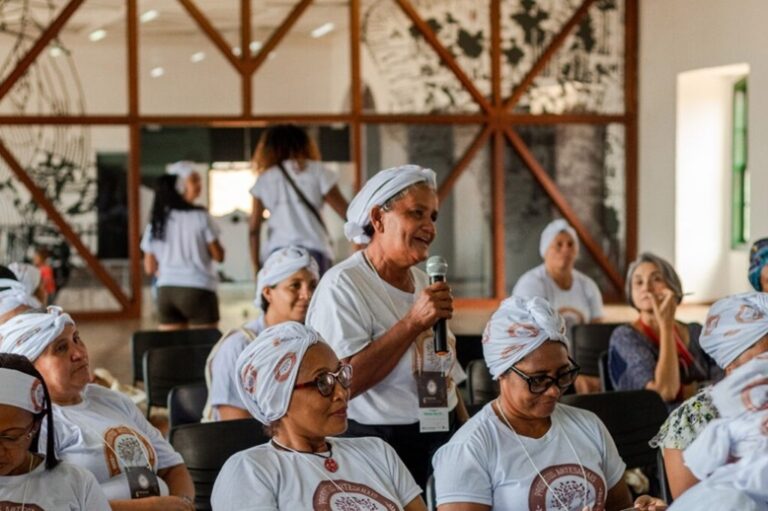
[(142, 482), (432, 390)]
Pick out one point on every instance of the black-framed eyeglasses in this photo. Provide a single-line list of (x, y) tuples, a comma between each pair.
[(539, 384), (325, 382)]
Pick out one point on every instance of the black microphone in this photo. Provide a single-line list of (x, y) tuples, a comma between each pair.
[(437, 269)]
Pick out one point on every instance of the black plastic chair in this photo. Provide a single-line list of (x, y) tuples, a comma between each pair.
[(206, 446), (605, 373), (468, 348), (186, 404), (589, 341), (143, 340), (632, 418), (481, 388), (165, 368)]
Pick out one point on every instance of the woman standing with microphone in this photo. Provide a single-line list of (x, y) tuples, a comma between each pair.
[(377, 311)]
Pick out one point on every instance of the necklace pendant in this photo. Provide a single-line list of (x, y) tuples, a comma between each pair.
[(331, 465)]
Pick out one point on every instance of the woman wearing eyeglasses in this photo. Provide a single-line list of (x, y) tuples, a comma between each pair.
[(525, 450), (29, 480), (293, 383)]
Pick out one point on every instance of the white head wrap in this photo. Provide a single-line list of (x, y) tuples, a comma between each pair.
[(29, 334), (734, 324), (182, 170), (377, 190), (14, 296), (552, 229), (28, 275), (740, 434), (267, 369), (280, 265), (21, 390), (518, 328)]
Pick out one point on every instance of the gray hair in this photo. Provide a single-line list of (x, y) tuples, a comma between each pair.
[(668, 273)]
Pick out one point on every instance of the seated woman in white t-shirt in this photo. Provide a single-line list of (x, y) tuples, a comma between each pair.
[(29, 480), (284, 287), (377, 309), (96, 428), (287, 159), (525, 450), (180, 244), (14, 298), (293, 383)]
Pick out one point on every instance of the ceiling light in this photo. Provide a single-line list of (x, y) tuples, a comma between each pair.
[(236, 51), (55, 51), (97, 35), (255, 46), (149, 16), (323, 29), (197, 57), (156, 72)]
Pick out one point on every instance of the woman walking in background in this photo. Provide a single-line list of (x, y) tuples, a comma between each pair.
[(293, 185), (179, 246)]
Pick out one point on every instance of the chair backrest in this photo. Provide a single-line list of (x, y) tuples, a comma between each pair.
[(143, 340), (605, 375), (206, 446), (186, 403), (165, 368), (632, 417), (468, 348), (589, 341), (481, 386)]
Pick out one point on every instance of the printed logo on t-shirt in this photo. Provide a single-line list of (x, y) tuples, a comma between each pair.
[(37, 395), (284, 367), (16, 506), (133, 449), (342, 495), (567, 484)]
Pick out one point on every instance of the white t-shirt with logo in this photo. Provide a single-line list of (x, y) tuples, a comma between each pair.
[(182, 256), (580, 304), (64, 488), (370, 477), (352, 307), (222, 366), (290, 220), (484, 464), (105, 433)]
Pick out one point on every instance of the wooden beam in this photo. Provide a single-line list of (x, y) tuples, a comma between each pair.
[(212, 34), (631, 109), (447, 185), (134, 161), (132, 46), (277, 36), (554, 45), (551, 189), (245, 44), (41, 200), (424, 118), (46, 37), (496, 53), (512, 118), (444, 54), (356, 130), (498, 211)]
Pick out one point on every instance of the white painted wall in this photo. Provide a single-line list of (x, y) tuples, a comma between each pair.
[(684, 35)]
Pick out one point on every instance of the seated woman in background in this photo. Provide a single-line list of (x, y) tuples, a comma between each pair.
[(180, 244), (735, 332), (31, 278), (29, 480), (97, 428), (758, 265), (525, 450), (731, 454), (656, 352), (292, 382), (284, 287)]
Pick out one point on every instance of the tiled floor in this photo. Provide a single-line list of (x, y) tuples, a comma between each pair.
[(109, 341)]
